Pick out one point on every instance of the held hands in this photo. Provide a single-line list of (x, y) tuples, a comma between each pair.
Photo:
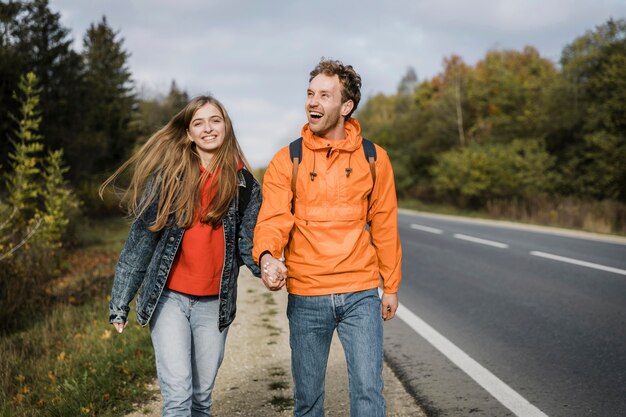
[(273, 272), (389, 304)]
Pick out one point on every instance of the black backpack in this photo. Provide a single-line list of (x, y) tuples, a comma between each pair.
[(295, 153), (245, 193)]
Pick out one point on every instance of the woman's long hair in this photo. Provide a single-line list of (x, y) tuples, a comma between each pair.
[(172, 159)]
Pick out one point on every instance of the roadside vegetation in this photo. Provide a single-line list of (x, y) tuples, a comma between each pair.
[(66, 359), (568, 213)]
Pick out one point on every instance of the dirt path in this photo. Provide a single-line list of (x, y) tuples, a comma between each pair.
[(255, 378)]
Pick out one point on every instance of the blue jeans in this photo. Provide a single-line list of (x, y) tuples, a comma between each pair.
[(189, 350), (357, 318)]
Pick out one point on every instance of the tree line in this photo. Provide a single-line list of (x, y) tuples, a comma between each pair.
[(88, 100), (514, 127), (67, 119)]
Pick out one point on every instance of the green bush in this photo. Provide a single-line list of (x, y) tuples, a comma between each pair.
[(472, 176)]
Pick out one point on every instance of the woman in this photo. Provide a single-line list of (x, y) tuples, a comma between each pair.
[(194, 207)]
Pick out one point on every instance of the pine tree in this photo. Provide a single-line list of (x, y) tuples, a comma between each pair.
[(39, 200), (10, 63), (35, 215), (21, 181), (109, 96), (34, 40)]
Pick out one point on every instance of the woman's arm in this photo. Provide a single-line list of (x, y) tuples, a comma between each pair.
[(133, 261), (246, 228)]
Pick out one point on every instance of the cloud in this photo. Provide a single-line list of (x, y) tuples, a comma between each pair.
[(256, 56)]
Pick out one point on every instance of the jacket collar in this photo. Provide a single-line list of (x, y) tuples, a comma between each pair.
[(350, 143)]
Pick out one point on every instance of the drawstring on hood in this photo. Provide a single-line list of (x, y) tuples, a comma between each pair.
[(313, 174), (353, 131)]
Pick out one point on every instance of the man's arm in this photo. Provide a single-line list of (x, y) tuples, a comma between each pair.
[(275, 220), (383, 220)]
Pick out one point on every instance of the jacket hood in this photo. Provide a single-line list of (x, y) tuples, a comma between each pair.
[(350, 143)]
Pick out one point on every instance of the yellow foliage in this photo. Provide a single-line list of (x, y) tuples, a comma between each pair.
[(89, 409)]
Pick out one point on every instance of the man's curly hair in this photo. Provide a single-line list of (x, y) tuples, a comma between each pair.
[(350, 80)]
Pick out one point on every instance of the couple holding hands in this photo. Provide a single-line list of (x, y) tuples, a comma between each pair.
[(329, 235)]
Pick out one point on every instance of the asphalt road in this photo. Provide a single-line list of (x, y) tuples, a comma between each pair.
[(544, 313)]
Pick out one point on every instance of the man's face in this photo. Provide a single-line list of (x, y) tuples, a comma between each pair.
[(324, 108)]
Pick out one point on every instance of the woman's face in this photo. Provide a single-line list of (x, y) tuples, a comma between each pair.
[(207, 130)]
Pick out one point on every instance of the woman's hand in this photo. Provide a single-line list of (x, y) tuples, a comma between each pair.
[(119, 327)]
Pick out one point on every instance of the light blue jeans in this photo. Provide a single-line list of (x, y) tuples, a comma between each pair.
[(357, 318), (189, 350)]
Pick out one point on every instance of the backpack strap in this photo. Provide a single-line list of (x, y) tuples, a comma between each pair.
[(370, 154), (295, 154)]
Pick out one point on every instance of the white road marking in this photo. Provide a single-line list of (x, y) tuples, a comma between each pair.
[(578, 262), (481, 241), (426, 229), (491, 383)]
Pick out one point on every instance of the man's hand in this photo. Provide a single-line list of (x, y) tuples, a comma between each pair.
[(273, 272), (389, 306)]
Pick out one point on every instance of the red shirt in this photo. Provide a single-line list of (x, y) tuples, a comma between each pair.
[(197, 268)]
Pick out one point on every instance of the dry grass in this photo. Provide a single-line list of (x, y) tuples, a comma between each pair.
[(66, 361), (592, 216), (607, 217)]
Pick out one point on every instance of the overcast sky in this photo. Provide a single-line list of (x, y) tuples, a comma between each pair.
[(255, 56)]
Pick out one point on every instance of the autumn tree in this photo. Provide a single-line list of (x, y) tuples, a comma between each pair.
[(506, 90)]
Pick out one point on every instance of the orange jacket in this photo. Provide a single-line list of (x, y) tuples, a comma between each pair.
[(327, 248)]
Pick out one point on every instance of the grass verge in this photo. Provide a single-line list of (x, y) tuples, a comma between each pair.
[(68, 361), (605, 217)]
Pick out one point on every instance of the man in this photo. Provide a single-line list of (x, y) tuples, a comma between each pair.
[(334, 263)]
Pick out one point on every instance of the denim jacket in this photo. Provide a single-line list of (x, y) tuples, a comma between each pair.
[(147, 257)]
